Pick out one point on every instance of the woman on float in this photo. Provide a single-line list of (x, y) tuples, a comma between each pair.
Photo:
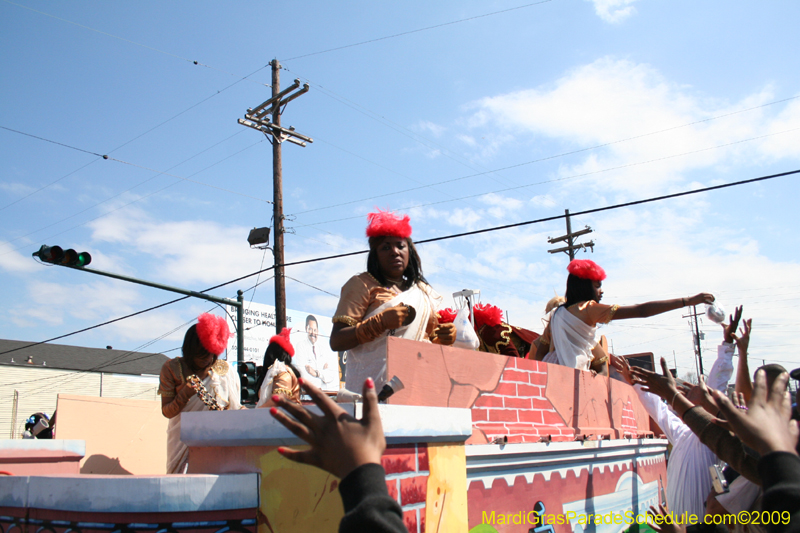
[(280, 376), (570, 339), (198, 381), (392, 298)]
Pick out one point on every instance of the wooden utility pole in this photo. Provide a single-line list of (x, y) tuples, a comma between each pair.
[(693, 315), (258, 118), (569, 238), (277, 205)]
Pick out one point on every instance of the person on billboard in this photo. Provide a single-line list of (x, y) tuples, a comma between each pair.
[(281, 377), (570, 339), (316, 362), (392, 298), (198, 381)]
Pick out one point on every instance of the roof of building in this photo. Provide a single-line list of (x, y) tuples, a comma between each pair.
[(65, 357)]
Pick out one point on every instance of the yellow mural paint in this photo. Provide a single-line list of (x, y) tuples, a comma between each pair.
[(446, 502)]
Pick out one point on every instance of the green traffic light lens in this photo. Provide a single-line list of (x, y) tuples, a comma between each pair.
[(84, 258)]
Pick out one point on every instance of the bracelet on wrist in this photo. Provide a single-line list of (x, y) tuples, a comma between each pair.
[(683, 302), (672, 403)]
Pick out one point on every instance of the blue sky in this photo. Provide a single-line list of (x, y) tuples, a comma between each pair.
[(590, 103)]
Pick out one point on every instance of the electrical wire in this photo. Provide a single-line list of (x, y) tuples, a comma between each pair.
[(435, 239), (560, 155), (313, 287), (415, 31)]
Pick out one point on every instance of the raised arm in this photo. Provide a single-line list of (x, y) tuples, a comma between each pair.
[(658, 307), (743, 383)]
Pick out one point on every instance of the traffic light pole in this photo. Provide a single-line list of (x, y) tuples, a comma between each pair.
[(238, 303)]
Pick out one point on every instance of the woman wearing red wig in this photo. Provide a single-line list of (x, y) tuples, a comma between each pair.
[(280, 375), (571, 336), (198, 381), (392, 298)]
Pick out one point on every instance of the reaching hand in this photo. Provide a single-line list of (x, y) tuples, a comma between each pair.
[(662, 385), (339, 442), (444, 334), (766, 426), (663, 522), (700, 395), (624, 368), (729, 329), (394, 317), (743, 341), (702, 298)]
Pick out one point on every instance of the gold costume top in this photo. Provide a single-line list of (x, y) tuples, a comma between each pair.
[(284, 383), (361, 295)]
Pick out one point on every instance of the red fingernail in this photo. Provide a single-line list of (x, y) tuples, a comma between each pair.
[(281, 450), (273, 411), (276, 398), (370, 383), (301, 381)]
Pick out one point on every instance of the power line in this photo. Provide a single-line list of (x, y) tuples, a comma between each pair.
[(414, 31), (556, 156), (313, 287), (194, 62), (574, 176), (435, 239)]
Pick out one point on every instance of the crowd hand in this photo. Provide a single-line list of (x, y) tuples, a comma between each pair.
[(394, 317), (662, 385), (339, 442), (766, 426), (729, 329), (702, 298), (624, 368), (661, 525), (444, 334), (700, 395), (743, 340)]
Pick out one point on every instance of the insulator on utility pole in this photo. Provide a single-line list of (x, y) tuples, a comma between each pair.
[(569, 238)]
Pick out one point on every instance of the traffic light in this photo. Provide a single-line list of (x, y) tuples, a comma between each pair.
[(247, 378), (57, 256)]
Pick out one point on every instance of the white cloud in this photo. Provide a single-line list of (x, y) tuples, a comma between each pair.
[(613, 11), (426, 126), (642, 133), (13, 261)]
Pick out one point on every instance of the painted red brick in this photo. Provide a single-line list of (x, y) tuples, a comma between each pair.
[(413, 490), (410, 519), (391, 484), (422, 521), (502, 415), (493, 429), (480, 415), (515, 439), (515, 375), (399, 460), (538, 379), (517, 403), (506, 389), (537, 403), (552, 418), (521, 429), (488, 401), (528, 390), (534, 417), (422, 453)]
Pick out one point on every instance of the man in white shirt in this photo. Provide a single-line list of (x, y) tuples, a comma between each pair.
[(316, 362)]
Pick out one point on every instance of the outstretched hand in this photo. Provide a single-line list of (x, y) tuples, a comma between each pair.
[(743, 340), (339, 442), (700, 395), (662, 385), (729, 329), (622, 366), (702, 298), (766, 426)]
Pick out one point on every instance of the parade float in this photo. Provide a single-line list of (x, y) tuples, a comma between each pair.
[(477, 442)]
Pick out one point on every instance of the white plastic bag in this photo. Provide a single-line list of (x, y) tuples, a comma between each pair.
[(465, 334)]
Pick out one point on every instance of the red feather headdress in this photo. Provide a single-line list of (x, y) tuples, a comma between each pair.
[(586, 269), (487, 315), (282, 340), (447, 316), (388, 224), (213, 333)]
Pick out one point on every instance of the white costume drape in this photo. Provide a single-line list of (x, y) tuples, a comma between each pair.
[(572, 340), (369, 359), (226, 390)]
